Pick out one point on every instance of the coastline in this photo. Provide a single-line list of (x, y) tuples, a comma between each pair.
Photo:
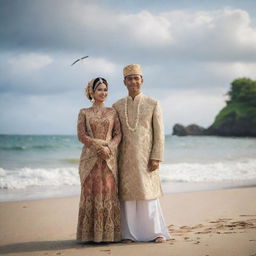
[(219, 222), (51, 192)]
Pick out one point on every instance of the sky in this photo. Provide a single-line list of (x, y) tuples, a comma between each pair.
[(190, 52)]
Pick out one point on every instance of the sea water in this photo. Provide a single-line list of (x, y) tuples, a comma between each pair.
[(33, 166)]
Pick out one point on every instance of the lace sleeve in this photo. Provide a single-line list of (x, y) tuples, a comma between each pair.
[(82, 131)]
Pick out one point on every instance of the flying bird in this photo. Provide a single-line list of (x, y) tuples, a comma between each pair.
[(79, 60)]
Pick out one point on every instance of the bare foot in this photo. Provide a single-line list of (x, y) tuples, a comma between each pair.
[(160, 240)]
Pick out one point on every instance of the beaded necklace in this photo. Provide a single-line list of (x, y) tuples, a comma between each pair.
[(126, 115)]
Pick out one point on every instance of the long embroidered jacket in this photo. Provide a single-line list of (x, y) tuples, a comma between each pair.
[(139, 146)]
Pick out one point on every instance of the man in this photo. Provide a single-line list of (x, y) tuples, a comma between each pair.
[(141, 150)]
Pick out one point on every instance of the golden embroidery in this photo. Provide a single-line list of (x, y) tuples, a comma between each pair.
[(99, 209), (136, 148)]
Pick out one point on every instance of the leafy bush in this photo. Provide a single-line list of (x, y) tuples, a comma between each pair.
[(243, 90)]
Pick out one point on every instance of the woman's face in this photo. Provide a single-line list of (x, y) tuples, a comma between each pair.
[(100, 93)]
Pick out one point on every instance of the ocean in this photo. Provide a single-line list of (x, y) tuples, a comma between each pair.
[(46, 166)]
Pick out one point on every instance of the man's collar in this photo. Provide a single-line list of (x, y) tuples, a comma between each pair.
[(137, 97)]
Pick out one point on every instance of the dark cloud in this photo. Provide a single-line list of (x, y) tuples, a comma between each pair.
[(84, 27)]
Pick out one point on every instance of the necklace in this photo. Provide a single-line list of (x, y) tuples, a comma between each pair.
[(98, 110), (126, 115), (94, 105)]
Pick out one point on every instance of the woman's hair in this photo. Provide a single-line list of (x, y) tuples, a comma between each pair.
[(92, 86)]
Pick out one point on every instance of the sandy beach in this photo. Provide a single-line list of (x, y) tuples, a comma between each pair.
[(221, 222)]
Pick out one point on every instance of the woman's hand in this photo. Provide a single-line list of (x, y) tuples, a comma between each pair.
[(103, 152)]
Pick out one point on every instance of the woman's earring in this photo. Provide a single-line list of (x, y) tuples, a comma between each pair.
[(93, 100)]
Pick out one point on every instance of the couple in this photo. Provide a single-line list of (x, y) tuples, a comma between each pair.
[(136, 123)]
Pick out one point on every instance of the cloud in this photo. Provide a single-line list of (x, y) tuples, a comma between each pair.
[(99, 65), (39, 114), (191, 106), (188, 57), (33, 73), (231, 70), (29, 61), (147, 29), (225, 34)]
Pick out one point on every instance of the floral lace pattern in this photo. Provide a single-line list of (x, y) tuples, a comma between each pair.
[(99, 208)]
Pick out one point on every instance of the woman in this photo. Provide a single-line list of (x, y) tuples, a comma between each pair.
[(98, 129)]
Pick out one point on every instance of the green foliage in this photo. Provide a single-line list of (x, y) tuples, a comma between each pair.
[(237, 110), (243, 90), (238, 118)]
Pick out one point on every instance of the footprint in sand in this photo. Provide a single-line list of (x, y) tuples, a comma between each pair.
[(219, 226), (203, 232), (187, 239), (198, 226), (185, 227)]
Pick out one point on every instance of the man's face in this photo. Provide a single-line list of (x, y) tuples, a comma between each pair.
[(133, 83)]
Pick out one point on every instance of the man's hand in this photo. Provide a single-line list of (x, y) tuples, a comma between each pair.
[(153, 165), (103, 152)]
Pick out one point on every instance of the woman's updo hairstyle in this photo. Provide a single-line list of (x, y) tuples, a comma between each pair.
[(92, 86)]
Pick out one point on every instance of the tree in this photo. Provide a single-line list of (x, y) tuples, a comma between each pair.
[(243, 90)]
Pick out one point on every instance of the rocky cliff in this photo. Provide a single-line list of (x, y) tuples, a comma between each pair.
[(237, 118)]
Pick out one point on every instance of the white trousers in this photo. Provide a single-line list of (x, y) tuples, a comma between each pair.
[(143, 220)]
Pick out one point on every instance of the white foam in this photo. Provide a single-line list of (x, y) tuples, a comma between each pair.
[(209, 172), (25, 177), (244, 170)]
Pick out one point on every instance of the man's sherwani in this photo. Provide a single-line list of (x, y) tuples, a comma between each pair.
[(137, 147)]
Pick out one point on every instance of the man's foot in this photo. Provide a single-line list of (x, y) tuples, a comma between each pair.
[(127, 241), (160, 240)]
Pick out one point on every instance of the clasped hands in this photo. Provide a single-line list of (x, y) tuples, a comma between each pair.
[(103, 152)]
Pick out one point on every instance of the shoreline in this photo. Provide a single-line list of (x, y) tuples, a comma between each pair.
[(220, 222), (51, 192)]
